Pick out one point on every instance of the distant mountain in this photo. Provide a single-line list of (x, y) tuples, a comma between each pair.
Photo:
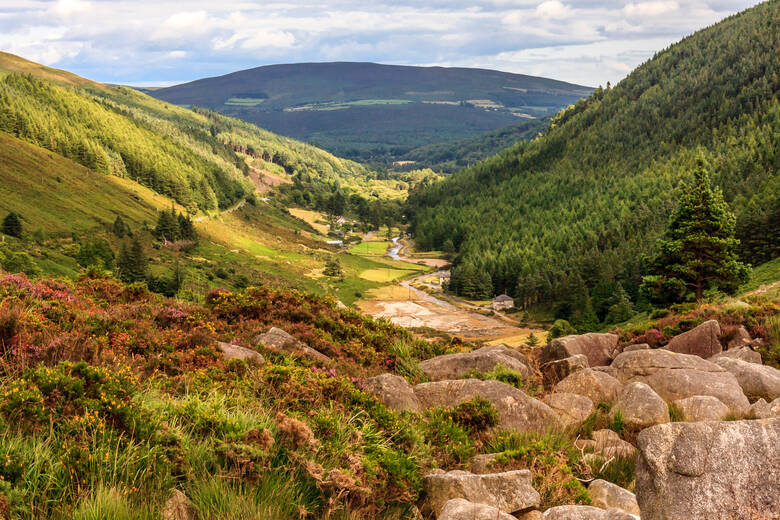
[(577, 209), (367, 109)]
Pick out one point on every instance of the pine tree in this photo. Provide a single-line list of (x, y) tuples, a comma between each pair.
[(532, 340), (699, 250), (12, 225), (333, 268), (622, 309), (132, 262), (119, 228)]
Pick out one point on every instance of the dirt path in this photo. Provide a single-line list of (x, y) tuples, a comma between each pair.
[(408, 306), (231, 209)]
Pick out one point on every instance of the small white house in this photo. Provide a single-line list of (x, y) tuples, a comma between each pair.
[(502, 302)]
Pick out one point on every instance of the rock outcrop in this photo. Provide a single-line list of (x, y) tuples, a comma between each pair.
[(460, 509), (757, 381), (636, 346), (485, 359), (597, 386), (677, 376), (394, 392), (508, 492), (607, 495), (598, 348), (741, 338), (640, 406), (178, 507), (606, 444), (741, 353), (712, 470), (701, 341), (281, 341), (585, 513), (231, 351), (515, 409), (555, 371), (573, 409), (763, 410), (702, 408)]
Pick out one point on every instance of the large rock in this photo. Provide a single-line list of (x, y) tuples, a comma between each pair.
[(485, 359), (636, 346), (394, 392), (757, 381), (606, 444), (597, 386), (509, 491), (640, 406), (573, 409), (585, 513), (741, 353), (763, 410), (231, 351), (515, 409), (699, 408), (481, 464), (712, 470), (598, 348), (677, 376), (607, 495), (281, 341), (701, 341), (460, 509), (741, 339), (555, 371)]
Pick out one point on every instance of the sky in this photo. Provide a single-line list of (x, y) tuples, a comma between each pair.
[(163, 42)]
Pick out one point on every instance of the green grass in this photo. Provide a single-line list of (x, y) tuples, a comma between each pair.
[(371, 248), (763, 274)]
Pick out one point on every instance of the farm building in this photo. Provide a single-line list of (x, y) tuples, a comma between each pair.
[(502, 302)]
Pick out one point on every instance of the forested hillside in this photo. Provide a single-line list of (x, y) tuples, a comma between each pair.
[(197, 158), (451, 156), (570, 214), (370, 111)]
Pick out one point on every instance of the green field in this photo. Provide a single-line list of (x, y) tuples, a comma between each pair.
[(371, 248), (244, 102)]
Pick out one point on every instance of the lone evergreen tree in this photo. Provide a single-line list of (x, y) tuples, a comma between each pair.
[(699, 250), (333, 268), (119, 228), (12, 225)]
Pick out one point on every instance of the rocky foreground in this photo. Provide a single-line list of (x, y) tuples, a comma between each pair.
[(705, 425)]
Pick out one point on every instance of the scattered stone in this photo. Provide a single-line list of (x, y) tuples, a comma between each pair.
[(741, 353), (606, 444), (607, 495), (178, 507), (757, 381), (607, 370), (557, 370), (701, 341), (677, 376), (485, 359), (598, 348), (598, 386), (530, 515), (741, 338), (573, 409), (636, 346), (460, 509), (640, 406), (702, 408), (279, 340), (231, 351), (509, 491), (394, 392), (712, 470), (515, 409), (583, 513), (480, 464), (763, 410)]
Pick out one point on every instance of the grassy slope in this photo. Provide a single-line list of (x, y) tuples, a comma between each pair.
[(60, 196)]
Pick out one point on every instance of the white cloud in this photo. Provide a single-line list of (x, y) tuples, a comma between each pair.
[(587, 42)]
